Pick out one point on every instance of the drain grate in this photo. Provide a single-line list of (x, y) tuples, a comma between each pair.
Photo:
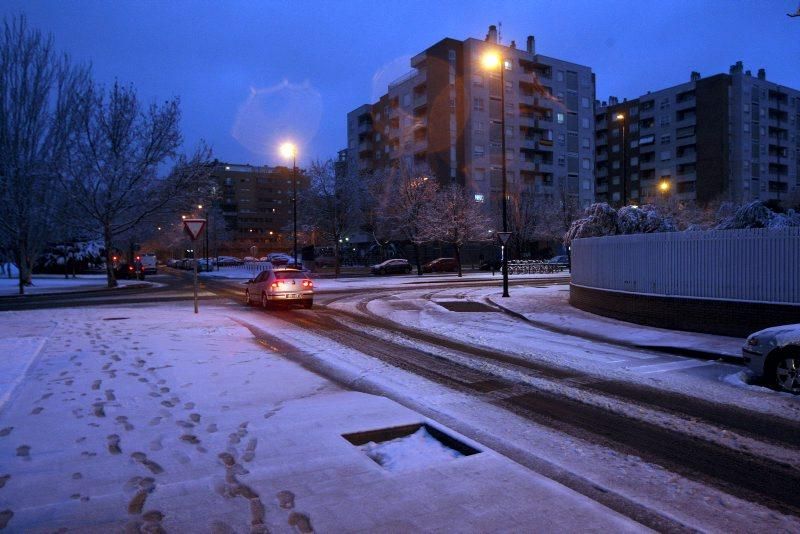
[(466, 306)]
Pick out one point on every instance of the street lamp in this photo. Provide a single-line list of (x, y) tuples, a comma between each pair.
[(621, 118), (492, 61), (664, 186), (289, 150), (205, 251)]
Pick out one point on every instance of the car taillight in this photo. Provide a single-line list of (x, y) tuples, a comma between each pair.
[(274, 285), (130, 268), (307, 283)]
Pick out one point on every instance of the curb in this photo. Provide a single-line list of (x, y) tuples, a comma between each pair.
[(680, 351)]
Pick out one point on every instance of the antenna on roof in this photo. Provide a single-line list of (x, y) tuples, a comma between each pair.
[(499, 32)]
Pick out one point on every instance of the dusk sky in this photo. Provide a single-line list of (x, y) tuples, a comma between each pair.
[(247, 72)]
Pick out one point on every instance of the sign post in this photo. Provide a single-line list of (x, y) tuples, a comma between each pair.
[(194, 227), (504, 236)]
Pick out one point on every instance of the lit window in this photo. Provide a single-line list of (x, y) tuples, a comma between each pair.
[(478, 198), (560, 118)]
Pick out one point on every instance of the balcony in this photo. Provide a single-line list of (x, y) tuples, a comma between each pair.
[(420, 99), (419, 123)]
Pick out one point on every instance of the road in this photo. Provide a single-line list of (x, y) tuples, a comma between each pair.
[(675, 431)]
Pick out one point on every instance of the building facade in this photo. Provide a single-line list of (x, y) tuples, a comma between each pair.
[(729, 137), (445, 117), (256, 202)]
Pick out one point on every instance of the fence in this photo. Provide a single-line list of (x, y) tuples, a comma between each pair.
[(534, 267), (758, 265)]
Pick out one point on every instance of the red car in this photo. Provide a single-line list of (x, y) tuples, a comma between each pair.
[(441, 265)]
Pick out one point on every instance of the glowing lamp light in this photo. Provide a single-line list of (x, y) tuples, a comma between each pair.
[(288, 150), (491, 61), (620, 117), (663, 186)]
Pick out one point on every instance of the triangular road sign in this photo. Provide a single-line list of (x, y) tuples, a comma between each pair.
[(194, 227), (503, 237)]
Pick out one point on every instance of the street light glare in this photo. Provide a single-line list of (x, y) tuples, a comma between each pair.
[(620, 117), (491, 60), (288, 150), (664, 186)]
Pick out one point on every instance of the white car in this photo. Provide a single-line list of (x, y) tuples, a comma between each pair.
[(774, 353), (280, 286)]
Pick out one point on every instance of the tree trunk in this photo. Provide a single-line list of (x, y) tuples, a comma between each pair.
[(112, 281), (337, 268), (21, 267), (416, 257), (457, 249)]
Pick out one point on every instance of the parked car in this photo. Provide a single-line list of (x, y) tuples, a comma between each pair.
[(280, 286), (774, 354), (228, 261), (279, 258), (440, 265), (129, 271), (249, 259), (395, 266), (175, 264), (562, 259)]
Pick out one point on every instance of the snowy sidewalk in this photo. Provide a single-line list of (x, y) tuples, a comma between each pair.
[(549, 307), (153, 417)]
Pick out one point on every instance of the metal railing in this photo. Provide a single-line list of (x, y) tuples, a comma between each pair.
[(534, 267)]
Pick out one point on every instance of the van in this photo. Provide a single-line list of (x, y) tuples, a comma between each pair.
[(149, 261)]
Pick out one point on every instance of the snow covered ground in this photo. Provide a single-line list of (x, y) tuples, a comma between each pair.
[(55, 283), (151, 417)]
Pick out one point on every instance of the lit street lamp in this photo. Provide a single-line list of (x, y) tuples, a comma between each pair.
[(621, 118), (289, 150), (663, 187), (492, 61)]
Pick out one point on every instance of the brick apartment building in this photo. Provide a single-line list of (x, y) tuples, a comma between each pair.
[(445, 116), (256, 202), (729, 136)]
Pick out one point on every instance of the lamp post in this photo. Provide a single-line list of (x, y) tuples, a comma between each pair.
[(621, 118), (205, 249), (491, 61), (290, 150)]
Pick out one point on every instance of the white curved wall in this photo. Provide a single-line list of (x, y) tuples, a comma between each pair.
[(757, 265)]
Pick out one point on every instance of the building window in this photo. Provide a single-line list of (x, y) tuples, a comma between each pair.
[(559, 75), (584, 102), (479, 127), (479, 175), (586, 143), (477, 79), (584, 122), (634, 161), (477, 104), (586, 164), (451, 55), (560, 118), (478, 150), (665, 139), (664, 121), (666, 155), (615, 148), (478, 198)]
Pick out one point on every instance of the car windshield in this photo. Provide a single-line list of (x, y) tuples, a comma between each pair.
[(290, 275)]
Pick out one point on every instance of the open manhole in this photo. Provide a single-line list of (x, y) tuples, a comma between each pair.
[(407, 447), (115, 318), (465, 306)]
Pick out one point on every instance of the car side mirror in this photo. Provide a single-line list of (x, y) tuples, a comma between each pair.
[(250, 281)]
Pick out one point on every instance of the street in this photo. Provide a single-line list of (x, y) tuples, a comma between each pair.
[(661, 439)]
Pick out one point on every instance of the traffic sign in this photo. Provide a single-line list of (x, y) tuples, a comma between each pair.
[(194, 227), (503, 236)]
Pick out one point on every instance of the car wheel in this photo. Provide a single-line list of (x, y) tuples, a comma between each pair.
[(264, 301), (383, 270), (307, 303), (408, 270), (786, 372)]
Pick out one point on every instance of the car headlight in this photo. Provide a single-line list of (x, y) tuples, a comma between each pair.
[(752, 341)]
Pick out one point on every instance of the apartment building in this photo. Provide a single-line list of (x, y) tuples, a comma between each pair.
[(729, 137), (257, 203), (445, 116)]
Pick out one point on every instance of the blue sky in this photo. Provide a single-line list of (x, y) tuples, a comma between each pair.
[(248, 71)]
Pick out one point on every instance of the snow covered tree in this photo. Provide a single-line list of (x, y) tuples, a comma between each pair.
[(112, 175), (332, 204), (601, 219), (757, 215), (454, 218), (39, 107), (404, 197)]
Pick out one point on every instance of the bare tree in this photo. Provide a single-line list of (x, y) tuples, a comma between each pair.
[(113, 170), (404, 198), (332, 205), (39, 97), (454, 218)]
